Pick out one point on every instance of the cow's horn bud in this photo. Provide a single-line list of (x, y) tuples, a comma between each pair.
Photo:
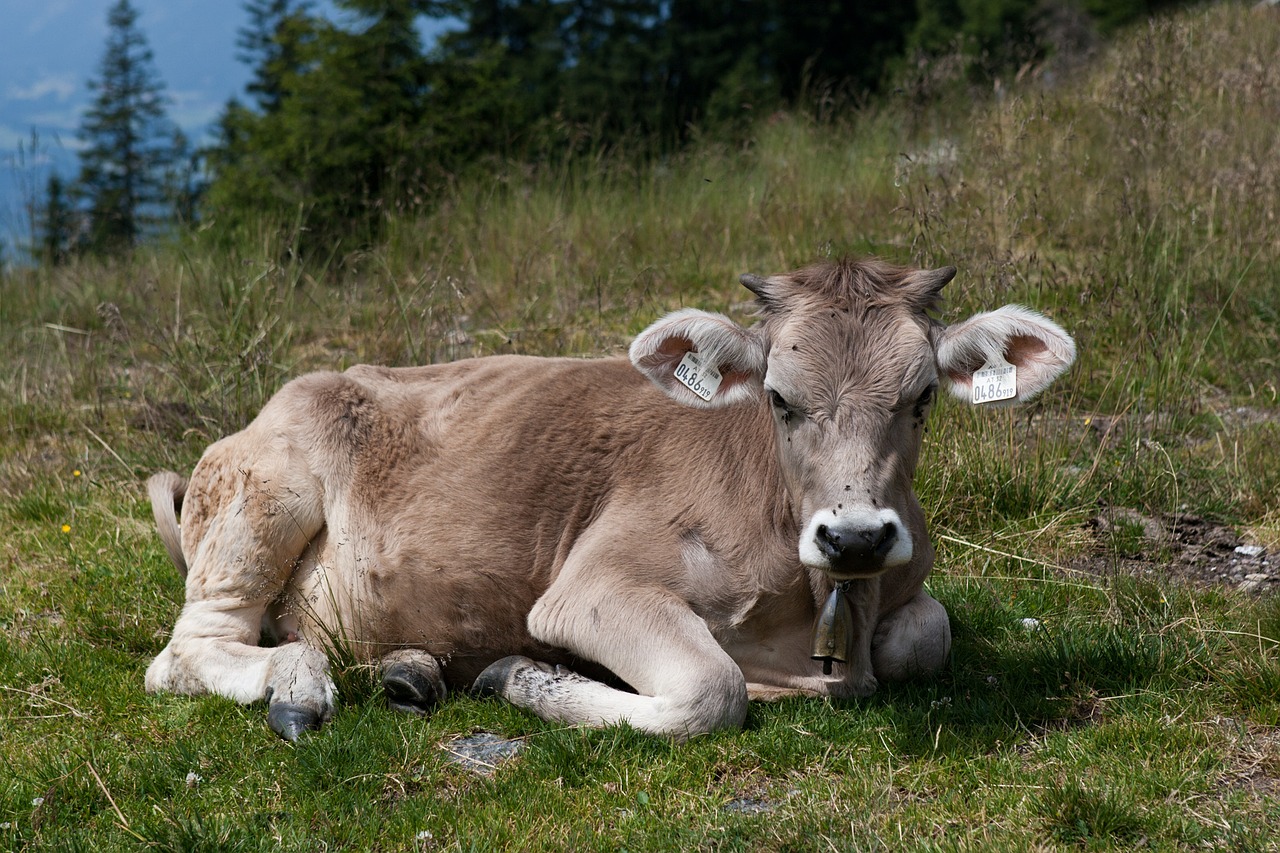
[(756, 284)]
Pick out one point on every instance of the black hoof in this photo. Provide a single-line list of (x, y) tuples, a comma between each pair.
[(289, 721), (493, 681), (409, 689)]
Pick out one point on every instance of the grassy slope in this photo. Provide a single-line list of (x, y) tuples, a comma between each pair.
[(1137, 204)]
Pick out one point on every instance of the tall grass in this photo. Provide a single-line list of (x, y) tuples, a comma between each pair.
[(1135, 202)]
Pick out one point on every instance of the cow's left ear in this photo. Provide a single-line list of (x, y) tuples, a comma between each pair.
[(1037, 348), (701, 359)]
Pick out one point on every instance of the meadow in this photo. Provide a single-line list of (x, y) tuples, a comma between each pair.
[(1107, 554)]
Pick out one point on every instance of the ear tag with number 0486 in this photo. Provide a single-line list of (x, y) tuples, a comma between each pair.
[(996, 381), (701, 379)]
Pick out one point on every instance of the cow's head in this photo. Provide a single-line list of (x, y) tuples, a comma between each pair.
[(848, 357)]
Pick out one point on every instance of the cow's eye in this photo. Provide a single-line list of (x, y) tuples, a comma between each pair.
[(927, 397), (783, 408)]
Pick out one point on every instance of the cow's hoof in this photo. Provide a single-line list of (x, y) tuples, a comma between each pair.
[(289, 720), (497, 675), (410, 689)]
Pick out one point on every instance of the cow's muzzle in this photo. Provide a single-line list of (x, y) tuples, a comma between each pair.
[(858, 545), (855, 544)]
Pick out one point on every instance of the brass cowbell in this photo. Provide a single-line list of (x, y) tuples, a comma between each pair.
[(833, 630)]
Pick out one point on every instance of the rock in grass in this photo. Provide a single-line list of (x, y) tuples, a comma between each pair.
[(482, 752)]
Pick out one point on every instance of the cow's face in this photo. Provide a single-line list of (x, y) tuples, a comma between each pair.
[(849, 389), (848, 360)]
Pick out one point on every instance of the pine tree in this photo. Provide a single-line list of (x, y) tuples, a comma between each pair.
[(56, 224), (128, 140), (273, 45), (342, 145)]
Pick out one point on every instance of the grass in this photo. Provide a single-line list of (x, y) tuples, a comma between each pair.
[(1099, 696)]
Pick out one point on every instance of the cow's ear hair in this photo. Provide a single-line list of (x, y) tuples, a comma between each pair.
[(1031, 342), (737, 353)]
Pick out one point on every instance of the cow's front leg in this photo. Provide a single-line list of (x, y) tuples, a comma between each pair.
[(685, 683), (912, 641)]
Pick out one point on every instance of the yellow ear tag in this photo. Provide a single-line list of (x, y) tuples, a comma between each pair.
[(996, 381), (701, 379)]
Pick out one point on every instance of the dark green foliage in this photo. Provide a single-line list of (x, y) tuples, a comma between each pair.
[(334, 144), (1112, 14), (651, 71), (1000, 35), (270, 44)]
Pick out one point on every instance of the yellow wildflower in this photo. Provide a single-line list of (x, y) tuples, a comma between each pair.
[(66, 528)]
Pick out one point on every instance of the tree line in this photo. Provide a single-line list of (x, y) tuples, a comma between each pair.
[(350, 118)]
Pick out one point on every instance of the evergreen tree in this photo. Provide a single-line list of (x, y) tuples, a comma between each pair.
[(128, 140), (344, 140), (721, 71), (615, 68), (273, 45), (56, 224), (251, 175)]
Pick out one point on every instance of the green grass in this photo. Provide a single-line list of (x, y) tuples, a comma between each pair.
[(1135, 203)]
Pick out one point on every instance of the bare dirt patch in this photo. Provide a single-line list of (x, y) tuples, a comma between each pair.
[(1179, 546), (1252, 757)]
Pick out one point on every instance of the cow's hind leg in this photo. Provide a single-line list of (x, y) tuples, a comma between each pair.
[(412, 681), (912, 641), (250, 511)]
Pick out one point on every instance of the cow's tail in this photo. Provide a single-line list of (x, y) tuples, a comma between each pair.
[(166, 490)]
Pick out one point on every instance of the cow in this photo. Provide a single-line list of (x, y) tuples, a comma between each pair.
[(646, 540)]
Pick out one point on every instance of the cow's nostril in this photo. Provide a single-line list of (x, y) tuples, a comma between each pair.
[(828, 541), (887, 539)]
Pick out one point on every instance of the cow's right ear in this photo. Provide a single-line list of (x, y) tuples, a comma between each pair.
[(701, 359), (1037, 349)]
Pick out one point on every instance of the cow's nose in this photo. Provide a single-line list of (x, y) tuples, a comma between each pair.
[(852, 545)]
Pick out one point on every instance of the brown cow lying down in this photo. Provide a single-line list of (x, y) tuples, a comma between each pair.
[(546, 528)]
